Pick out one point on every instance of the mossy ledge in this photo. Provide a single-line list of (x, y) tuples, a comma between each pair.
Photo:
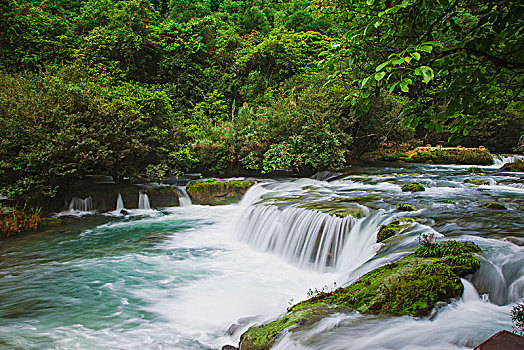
[(413, 187), (442, 155), (217, 192), (411, 286)]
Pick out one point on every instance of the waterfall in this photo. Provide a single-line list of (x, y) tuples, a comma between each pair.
[(119, 203), (500, 160), (143, 201), (184, 199), (81, 204), (305, 237)]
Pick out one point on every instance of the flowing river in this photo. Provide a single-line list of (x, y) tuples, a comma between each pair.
[(196, 277)]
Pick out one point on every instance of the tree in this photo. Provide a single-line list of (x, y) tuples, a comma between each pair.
[(458, 61)]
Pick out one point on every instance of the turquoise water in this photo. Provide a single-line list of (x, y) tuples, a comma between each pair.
[(178, 278)]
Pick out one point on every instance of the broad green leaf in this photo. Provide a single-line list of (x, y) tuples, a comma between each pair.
[(426, 48), (379, 76), (381, 66), (404, 86), (415, 55), (365, 82), (407, 59), (427, 74), (370, 2)]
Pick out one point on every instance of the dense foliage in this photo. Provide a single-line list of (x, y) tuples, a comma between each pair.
[(136, 88)]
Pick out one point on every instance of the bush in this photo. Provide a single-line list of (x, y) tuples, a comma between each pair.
[(517, 316)]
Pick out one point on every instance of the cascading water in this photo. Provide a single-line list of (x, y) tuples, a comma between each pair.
[(119, 203), (303, 236), (179, 278), (81, 204), (183, 199), (143, 201), (500, 160)]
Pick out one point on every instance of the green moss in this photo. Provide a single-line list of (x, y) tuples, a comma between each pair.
[(393, 228), (413, 187), (477, 182), (517, 166), (449, 201), (494, 205), (411, 286), (453, 156), (217, 192), (475, 170), (405, 207), (339, 208)]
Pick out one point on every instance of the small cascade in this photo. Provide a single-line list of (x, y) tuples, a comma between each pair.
[(143, 201), (119, 203), (470, 293), (499, 160), (183, 199), (81, 204), (305, 237), (253, 195), (490, 280)]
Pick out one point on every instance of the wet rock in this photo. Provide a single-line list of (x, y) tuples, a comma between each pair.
[(393, 228)]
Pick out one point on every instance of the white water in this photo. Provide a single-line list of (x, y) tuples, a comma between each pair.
[(499, 160), (81, 204), (119, 203), (184, 199), (180, 277), (143, 201)]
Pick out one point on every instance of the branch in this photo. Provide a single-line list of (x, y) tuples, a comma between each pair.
[(499, 62)]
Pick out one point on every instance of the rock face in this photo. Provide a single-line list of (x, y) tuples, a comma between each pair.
[(217, 192), (411, 286)]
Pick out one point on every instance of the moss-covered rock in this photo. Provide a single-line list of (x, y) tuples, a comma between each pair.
[(341, 208), (439, 155), (474, 170), (413, 187), (405, 207), (494, 205), (217, 192), (477, 182), (517, 166), (163, 196), (393, 228), (457, 155), (411, 286)]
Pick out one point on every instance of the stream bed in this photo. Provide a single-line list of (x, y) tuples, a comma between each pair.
[(196, 277)]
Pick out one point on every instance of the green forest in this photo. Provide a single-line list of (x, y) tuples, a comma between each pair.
[(144, 89)]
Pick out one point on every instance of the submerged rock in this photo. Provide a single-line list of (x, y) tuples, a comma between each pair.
[(411, 286), (517, 166), (494, 205), (217, 192)]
